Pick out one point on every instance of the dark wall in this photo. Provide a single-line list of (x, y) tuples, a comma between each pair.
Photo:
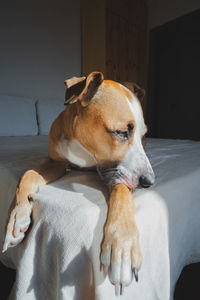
[(173, 85)]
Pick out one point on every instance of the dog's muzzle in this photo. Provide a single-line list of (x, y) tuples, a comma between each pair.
[(146, 180), (115, 175)]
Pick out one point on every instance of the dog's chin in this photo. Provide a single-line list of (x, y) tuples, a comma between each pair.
[(114, 176)]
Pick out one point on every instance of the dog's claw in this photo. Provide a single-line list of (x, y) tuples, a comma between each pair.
[(121, 289), (135, 271), (5, 247)]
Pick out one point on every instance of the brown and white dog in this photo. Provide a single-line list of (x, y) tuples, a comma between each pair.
[(101, 127)]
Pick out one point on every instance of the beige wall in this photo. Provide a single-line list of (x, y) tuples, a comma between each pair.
[(40, 46), (162, 11)]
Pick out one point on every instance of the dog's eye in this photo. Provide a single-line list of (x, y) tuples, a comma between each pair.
[(122, 134)]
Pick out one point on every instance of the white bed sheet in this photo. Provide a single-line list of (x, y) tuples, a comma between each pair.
[(59, 258)]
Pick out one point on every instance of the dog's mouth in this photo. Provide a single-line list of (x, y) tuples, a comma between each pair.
[(114, 176)]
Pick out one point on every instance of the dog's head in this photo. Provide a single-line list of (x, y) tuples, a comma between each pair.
[(109, 125)]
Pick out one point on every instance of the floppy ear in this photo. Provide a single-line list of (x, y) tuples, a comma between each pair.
[(75, 86), (82, 89), (93, 82), (138, 91)]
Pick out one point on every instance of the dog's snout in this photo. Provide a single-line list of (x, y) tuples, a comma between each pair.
[(146, 180)]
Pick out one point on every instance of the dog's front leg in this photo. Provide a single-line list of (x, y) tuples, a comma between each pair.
[(120, 254), (21, 209)]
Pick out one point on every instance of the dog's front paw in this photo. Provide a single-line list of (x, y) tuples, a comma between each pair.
[(121, 257), (18, 224)]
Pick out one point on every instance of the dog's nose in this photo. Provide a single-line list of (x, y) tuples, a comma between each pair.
[(146, 180)]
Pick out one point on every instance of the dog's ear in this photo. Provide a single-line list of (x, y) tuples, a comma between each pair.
[(93, 82), (138, 91), (75, 86), (82, 89)]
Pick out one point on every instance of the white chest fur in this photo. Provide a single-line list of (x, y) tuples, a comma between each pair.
[(75, 153)]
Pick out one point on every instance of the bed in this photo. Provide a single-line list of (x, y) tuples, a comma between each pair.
[(59, 259)]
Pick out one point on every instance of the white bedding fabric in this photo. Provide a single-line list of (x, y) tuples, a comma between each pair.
[(59, 258)]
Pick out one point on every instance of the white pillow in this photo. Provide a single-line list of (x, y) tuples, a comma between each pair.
[(47, 112), (17, 116)]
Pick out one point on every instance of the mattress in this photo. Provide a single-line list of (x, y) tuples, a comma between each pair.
[(59, 258)]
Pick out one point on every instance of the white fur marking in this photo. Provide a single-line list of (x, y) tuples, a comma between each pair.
[(137, 113), (135, 160), (75, 153)]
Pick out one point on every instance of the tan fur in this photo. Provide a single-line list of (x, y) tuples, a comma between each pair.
[(49, 171), (77, 122), (29, 183), (120, 226), (87, 121)]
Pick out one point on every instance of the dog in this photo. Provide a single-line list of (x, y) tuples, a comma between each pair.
[(102, 127)]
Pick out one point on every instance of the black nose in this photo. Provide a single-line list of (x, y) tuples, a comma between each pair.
[(146, 181)]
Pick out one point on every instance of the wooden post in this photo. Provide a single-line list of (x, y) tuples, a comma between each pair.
[(93, 36), (114, 36)]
